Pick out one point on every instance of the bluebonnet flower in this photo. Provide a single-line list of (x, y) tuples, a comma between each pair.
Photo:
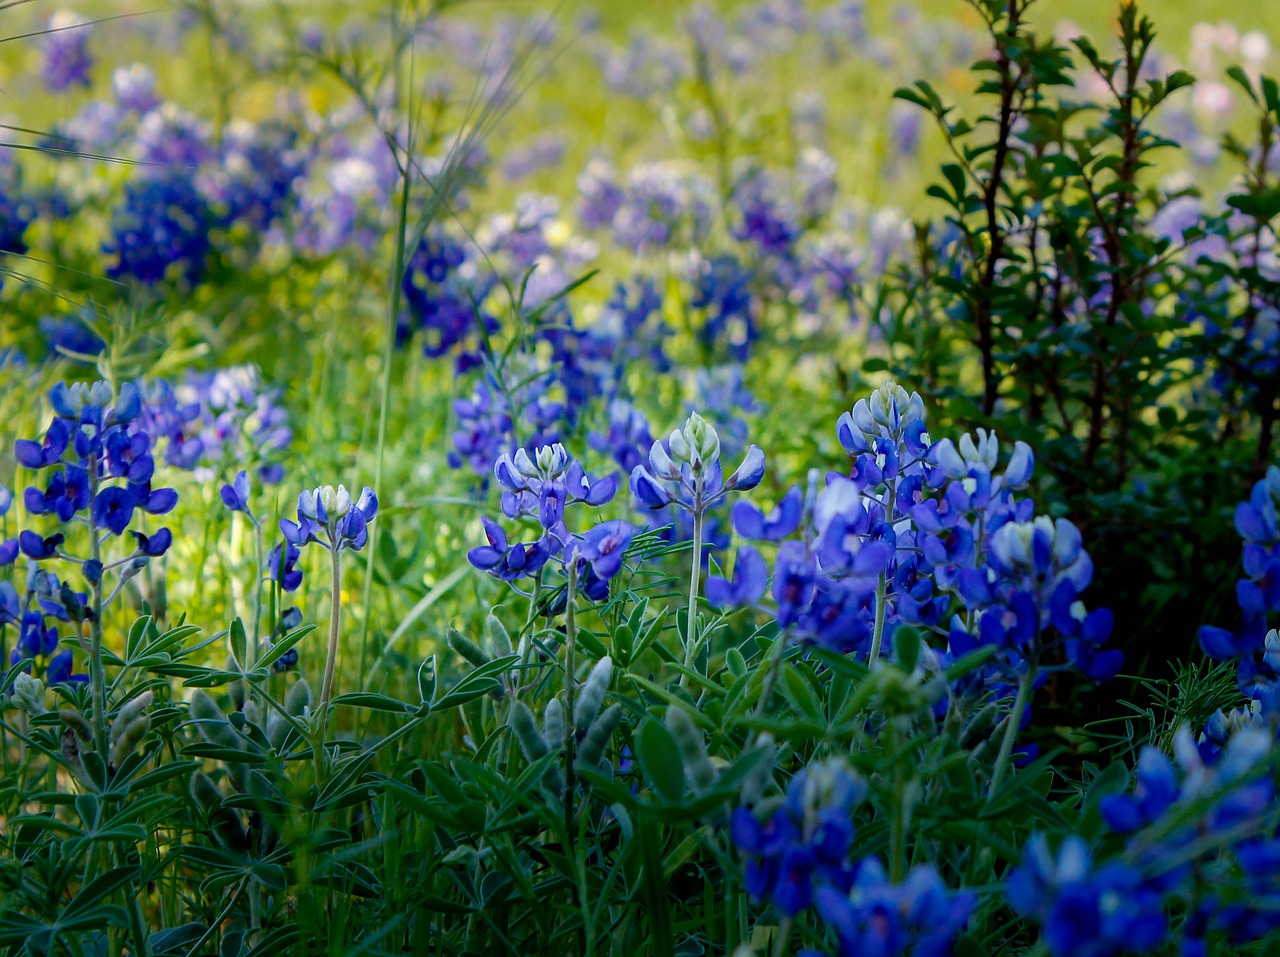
[(1258, 595), (160, 231), (920, 916), (253, 181), (600, 196), (67, 61), (282, 566), (69, 335), (91, 444), (442, 294), (750, 579), (661, 207), (505, 561), (213, 419), (135, 88), (235, 495), (177, 142), (782, 522), (18, 209), (602, 548), (543, 152), (722, 292), (1086, 912), (8, 547), (328, 517), (805, 841), (39, 642), (542, 487), (687, 471), (628, 438)]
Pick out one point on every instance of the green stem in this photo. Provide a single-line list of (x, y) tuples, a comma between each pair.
[(331, 653), (882, 588), (1011, 728), (97, 670), (384, 403), (695, 575), (257, 597), (570, 732), (898, 816), (771, 679)]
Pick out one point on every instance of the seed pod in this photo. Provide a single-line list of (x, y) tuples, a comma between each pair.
[(591, 750), (699, 770), (210, 722), (253, 713), (467, 648), (520, 721), (226, 826), (298, 698), (981, 723), (77, 722), (591, 694), (71, 750), (553, 725), (499, 639), (129, 728)]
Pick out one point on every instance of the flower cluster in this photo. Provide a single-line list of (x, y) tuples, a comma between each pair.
[(801, 856), (67, 60), (1198, 836), (100, 469), (1258, 594), (442, 294), (38, 619), (328, 517), (214, 421), (540, 488)]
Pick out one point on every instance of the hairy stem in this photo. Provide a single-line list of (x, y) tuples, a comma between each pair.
[(695, 575), (331, 653), (570, 732), (1011, 728), (882, 589)]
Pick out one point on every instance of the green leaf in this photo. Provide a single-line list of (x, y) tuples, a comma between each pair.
[(98, 890), (427, 680), (239, 642), (660, 761), (373, 702), (278, 650), (906, 647)]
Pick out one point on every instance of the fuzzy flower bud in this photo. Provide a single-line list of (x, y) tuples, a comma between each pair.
[(28, 694)]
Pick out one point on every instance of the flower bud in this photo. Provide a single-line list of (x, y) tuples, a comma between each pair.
[(28, 694), (703, 441)]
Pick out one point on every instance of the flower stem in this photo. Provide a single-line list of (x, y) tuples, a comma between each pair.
[(1011, 729), (331, 654), (691, 627), (257, 597), (570, 732), (882, 588), (97, 670)]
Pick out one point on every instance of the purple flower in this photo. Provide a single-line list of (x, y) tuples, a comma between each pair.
[(236, 495), (750, 579), (603, 548), (783, 521), (328, 517), (507, 562)]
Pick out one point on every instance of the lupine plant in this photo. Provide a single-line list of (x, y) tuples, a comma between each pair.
[(918, 681)]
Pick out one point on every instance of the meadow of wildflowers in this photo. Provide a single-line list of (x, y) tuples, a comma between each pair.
[(757, 478)]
